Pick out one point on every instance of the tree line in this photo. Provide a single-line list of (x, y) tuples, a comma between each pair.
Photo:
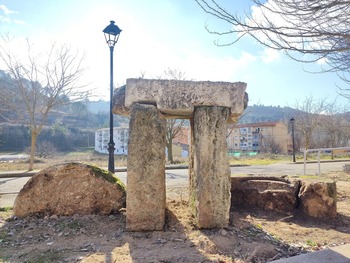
[(320, 123)]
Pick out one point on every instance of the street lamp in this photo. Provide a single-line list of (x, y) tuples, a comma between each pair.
[(292, 120), (111, 33)]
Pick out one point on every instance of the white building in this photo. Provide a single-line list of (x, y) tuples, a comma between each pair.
[(120, 137)]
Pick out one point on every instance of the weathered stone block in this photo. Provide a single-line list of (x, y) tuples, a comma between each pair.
[(119, 102), (146, 199), (209, 168), (268, 193), (319, 199), (178, 99), (69, 189)]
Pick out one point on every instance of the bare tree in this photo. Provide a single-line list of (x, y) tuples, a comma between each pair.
[(308, 118), (38, 83), (174, 126), (270, 145), (306, 30), (334, 129), (173, 129)]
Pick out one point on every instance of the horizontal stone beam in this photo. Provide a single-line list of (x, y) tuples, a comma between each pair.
[(178, 98)]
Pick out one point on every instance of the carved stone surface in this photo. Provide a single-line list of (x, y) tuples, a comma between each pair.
[(69, 189), (209, 168), (178, 99), (319, 199), (268, 193), (146, 198)]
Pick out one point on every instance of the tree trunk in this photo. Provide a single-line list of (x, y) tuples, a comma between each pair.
[(34, 136), (170, 152)]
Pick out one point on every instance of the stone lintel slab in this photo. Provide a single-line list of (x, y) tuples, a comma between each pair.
[(146, 198), (178, 98)]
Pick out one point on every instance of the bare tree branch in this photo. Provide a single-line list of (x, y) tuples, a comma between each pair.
[(36, 84), (307, 31)]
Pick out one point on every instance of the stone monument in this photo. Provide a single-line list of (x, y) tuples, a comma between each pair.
[(209, 106)]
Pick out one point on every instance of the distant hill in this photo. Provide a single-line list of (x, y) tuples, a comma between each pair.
[(260, 113), (98, 106)]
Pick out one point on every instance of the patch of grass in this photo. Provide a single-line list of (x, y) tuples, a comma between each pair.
[(259, 159), (3, 236), (316, 178), (84, 151), (253, 161), (238, 175), (309, 177), (6, 209), (5, 212), (311, 243)]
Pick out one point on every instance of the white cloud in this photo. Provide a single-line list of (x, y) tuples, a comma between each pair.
[(19, 22), (5, 18), (6, 10)]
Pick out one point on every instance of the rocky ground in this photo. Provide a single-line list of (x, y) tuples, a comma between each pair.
[(253, 236)]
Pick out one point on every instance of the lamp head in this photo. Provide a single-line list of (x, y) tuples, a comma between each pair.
[(111, 33)]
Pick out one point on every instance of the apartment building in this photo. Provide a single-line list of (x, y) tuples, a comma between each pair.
[(252, 137), (257, 137), (120, 137)]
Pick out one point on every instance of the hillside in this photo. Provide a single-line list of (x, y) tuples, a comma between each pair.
[(261, 113), (98, 106)]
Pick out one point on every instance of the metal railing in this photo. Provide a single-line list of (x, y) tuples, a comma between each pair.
[(318, 155)]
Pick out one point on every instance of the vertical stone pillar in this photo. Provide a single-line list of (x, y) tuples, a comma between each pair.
[(209, 167), (146, 197)]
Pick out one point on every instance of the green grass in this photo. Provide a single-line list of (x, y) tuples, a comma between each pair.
[(311, 243), (256, 161), (6, 209), (5, 212)]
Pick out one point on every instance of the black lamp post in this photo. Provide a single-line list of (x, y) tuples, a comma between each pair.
[(111, 33), (292, 120)]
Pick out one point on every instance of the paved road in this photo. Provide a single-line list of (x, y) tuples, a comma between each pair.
[(179, 177), (290, 168), (13, 157)]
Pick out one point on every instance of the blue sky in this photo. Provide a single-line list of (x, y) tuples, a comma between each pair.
[(161, 34)]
